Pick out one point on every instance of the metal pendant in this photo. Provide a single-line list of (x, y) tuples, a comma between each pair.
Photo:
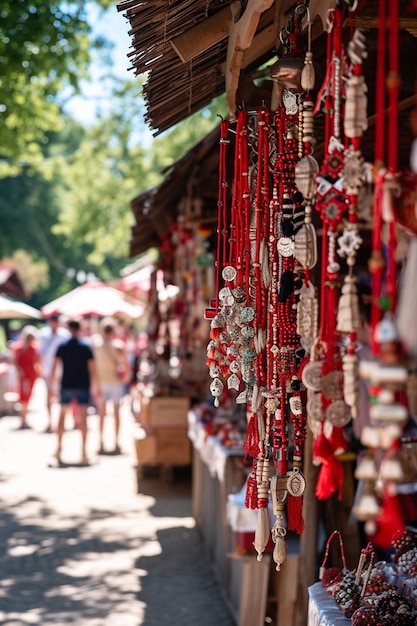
[(296, 484)]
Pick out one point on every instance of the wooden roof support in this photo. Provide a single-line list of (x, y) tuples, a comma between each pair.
[(244, 47), (241, 35)]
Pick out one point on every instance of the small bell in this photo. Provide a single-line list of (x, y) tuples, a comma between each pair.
[(367, 507), (391, 469), (366, 469), (370, 437)]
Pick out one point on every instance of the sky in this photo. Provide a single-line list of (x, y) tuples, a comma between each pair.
[(114, 26)]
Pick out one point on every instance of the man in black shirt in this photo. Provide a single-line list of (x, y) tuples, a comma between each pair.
[(79, 381)]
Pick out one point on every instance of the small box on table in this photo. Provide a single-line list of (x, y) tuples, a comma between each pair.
[(164, 446), (164, 412)]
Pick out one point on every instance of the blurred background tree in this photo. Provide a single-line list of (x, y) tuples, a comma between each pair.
[(66, 187)]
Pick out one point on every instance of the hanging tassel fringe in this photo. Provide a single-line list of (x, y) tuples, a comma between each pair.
[(330, 478), (295, 518), (251, 445)]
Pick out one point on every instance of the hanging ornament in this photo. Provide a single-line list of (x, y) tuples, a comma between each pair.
[(348, 316), (279, 495), (307, 315)]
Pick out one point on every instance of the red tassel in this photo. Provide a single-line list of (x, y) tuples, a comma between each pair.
[(388, 523), (251, 498), (337, 440), (330, 479), (224, 368), (321, 449), (251, 445), (295, 520)]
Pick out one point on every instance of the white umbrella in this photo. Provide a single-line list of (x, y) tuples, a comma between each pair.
[(93, 299), (14, 309)]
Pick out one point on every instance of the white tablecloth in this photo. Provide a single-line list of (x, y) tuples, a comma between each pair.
[(322, 609), (212, 452)]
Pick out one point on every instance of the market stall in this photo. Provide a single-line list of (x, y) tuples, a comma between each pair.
[(311, 297), (220, 472)]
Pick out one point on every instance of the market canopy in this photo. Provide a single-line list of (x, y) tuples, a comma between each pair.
[(156, 210), (94, 298), (14, 309), (177, 87), (192, 52)]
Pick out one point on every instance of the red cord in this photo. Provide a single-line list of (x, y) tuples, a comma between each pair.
[(342, 548)]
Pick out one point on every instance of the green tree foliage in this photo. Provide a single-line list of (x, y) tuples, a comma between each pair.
[(29, 207), (44, 48), (65, 190), (113, 164), (109, 168), (172, 144), (33, 274)]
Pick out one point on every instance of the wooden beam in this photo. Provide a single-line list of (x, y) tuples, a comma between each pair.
[(241, 36), (262, 42), (244, 47), (203, 36), (321, 8), (406, 23)]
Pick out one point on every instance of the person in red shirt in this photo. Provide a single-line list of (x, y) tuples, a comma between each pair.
[(28, 365)]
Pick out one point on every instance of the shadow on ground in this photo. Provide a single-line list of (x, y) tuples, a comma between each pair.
[(62, 574), (182, 578)]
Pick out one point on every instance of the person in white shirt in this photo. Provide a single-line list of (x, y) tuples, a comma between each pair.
[(51, 337), (114, 372)]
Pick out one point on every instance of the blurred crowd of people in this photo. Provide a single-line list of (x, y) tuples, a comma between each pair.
[(83, 364)]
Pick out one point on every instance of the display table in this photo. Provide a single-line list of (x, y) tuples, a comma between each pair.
[(217, 472), (323, 610), (246, 583)]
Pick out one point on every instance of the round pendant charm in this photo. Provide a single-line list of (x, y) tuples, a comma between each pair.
[(248, 332), (285, 246), (312, 376), (247, 314), (315, 408), (229, 273), (271, 404), (338, 413), (296, 484), (226, 297), (332, 384)]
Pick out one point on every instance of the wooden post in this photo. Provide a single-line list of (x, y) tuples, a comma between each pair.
[(307, 573)]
